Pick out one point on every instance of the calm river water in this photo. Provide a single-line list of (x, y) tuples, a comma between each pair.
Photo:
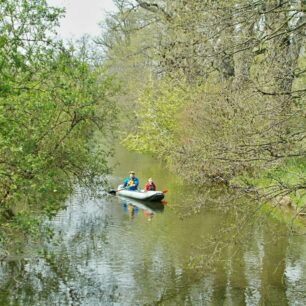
[(112, 252)]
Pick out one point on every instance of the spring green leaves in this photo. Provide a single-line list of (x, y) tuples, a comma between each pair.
[(53, 101)]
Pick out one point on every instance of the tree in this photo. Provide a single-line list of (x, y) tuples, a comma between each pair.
[(53, 103), (243, 65)]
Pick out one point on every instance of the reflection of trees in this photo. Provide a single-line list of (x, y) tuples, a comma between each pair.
[(295, 266), (241, 254), (98, 257), (51, 280), (59, 275), (273, 266)]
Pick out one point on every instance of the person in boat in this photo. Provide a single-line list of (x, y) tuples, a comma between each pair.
[(150, 185), (131, 182)]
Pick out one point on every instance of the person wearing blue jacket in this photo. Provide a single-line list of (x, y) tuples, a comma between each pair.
[(131, 182)]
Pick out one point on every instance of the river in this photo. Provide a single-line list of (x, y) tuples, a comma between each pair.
[(106, 251)]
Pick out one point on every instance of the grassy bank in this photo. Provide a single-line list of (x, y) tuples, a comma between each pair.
[(282, 186)]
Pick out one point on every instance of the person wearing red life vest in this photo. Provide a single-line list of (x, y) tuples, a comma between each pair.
[(150, 185)]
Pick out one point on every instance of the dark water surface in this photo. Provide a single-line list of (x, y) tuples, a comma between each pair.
[(114, 252)]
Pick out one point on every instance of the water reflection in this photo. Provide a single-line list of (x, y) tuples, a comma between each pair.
[(130, 209), (99, 257), (146, 209), (107, 252), (148, 214), (295, 267)]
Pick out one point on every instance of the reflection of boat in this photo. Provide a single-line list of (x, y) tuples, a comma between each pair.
[(147, 196), (152, 207)]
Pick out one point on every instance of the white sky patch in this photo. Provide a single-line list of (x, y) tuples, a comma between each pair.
[(82, 16)]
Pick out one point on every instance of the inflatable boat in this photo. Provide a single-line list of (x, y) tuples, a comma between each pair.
[(146, 196)]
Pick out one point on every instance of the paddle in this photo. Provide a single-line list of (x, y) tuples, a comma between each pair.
[(164, 202), (114, 191)]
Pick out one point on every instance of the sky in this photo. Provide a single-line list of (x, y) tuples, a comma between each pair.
[(82, 16)]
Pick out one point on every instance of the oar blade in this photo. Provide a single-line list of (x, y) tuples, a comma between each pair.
[(112, 192)]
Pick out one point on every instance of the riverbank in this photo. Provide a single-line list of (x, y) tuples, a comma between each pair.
[(281, 188)]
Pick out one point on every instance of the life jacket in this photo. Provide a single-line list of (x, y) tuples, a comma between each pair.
[(150, 187), (130, 182)]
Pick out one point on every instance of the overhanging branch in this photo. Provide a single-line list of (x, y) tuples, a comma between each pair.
[(154, 8)]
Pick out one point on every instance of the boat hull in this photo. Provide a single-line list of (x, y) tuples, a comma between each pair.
[(146, 196)]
